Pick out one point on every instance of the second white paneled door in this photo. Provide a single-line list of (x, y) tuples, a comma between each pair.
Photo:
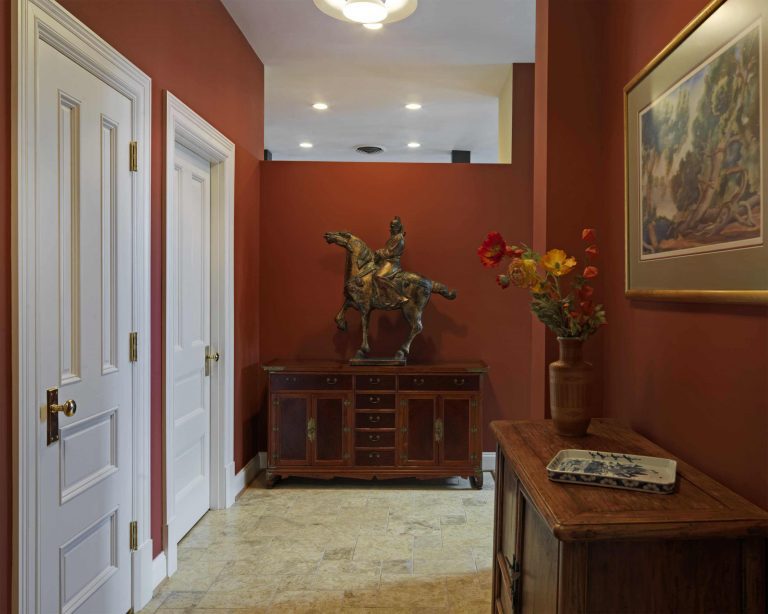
[(191, 316)]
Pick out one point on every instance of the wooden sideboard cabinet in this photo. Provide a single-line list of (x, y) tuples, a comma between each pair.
[(575, 548), (335, 420)]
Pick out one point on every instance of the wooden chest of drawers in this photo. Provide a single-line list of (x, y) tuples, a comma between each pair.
[(332, 419), (574, 548)]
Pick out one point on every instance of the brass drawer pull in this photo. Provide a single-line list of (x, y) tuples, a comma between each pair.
[(374, 437), (418, 381), (459, 381), (374, 418), (374, 455), (374, 380), (374, 400), (331, 380)]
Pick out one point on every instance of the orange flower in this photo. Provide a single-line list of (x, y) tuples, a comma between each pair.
[(492, 250), (588, 234), (590, 272), (557, 262), (592, 251)]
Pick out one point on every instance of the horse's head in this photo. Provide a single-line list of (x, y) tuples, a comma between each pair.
[(357, 248), (339, 238)]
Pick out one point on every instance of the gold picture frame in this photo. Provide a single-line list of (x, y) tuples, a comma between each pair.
[(696, 231)]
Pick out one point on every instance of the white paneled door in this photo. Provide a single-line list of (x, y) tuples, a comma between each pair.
[(191, 317), (84, 314)]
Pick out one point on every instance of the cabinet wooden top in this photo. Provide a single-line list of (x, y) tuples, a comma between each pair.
[(700, 507), (320, 366)]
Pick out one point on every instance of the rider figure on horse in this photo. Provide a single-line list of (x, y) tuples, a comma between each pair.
[(386, 261)]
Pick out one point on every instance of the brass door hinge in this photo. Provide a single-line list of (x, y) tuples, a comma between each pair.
[(133, 157), (134, 537), (473, 403), (311, 429), (133, 347)]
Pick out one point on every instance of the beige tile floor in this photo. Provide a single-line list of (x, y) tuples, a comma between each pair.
[(339, 546)]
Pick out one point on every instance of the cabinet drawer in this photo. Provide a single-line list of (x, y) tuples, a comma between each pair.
[(373, 400), (375, 457), (310, 381), (375, 439), (439, 382), (375, 420), (375, 382)]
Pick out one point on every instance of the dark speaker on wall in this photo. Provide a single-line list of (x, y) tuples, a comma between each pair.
[(461, 156)]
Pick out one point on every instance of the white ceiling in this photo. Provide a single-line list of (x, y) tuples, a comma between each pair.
[(452, 56)]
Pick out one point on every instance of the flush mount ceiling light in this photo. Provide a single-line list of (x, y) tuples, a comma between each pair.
[(367, 11), (306, 145), (373, 26), (320, 106), (413, 106), (414, 145)]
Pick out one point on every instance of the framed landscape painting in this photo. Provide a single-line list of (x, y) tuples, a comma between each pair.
[(696, 121)]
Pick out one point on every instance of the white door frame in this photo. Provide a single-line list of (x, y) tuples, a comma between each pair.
[(185, 127), (35, 22)]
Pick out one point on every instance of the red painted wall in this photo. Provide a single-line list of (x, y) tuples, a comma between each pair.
[(691, 377), (447, 211), (196, 51)]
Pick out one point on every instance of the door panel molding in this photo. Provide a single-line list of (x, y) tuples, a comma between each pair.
[(187, 128), (37, 22)]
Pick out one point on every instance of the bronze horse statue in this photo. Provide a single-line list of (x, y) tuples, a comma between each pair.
[(366, 289)]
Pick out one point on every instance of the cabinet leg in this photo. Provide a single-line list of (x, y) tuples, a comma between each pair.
[(271, 480), (476, 481)]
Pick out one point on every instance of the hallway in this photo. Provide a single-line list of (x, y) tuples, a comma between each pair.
[(310, 546)]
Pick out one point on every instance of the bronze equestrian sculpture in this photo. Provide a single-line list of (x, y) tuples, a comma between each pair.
[(374, 280)]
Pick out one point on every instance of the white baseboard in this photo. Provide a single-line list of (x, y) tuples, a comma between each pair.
[(240, 480), (489, 461), (141, 568), (159, 567), (262, 460)]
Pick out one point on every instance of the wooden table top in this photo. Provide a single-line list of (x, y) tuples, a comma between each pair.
[(325, 366), (699, 507)]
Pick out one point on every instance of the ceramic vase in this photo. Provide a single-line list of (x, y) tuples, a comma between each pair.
[(570, 389)]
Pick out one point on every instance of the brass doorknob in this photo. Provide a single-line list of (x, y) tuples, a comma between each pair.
[(68, 408), (214, 357)]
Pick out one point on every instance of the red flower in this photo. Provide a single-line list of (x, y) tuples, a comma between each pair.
[(590, 272), (592, 251), (492, 250), (513, 252), (588, 234), (586, 292), (586, 307)]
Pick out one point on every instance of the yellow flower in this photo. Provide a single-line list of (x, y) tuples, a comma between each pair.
[(522, 273), (557, 262)]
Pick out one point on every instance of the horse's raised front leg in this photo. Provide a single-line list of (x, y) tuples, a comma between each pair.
[(365, 348), (341, 319), (412, 313)]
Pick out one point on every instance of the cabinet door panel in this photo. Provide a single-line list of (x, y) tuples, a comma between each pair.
[(458, 439), (419, 446), (539, 562), (290, 415), (330, 437)]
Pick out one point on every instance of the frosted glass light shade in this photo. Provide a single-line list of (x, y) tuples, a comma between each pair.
[(365, 11)]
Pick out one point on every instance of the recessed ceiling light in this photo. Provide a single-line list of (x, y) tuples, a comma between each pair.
[(320, 106), (306, 145), (413, 106), (414, 145), (373, 26), (365, 11)]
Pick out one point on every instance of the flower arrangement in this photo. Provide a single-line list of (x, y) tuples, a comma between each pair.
[(569, 311)]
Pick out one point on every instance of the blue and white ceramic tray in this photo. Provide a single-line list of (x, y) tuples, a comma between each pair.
[(644, 473)]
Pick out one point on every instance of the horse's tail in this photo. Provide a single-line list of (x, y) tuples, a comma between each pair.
[(443, 290)]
